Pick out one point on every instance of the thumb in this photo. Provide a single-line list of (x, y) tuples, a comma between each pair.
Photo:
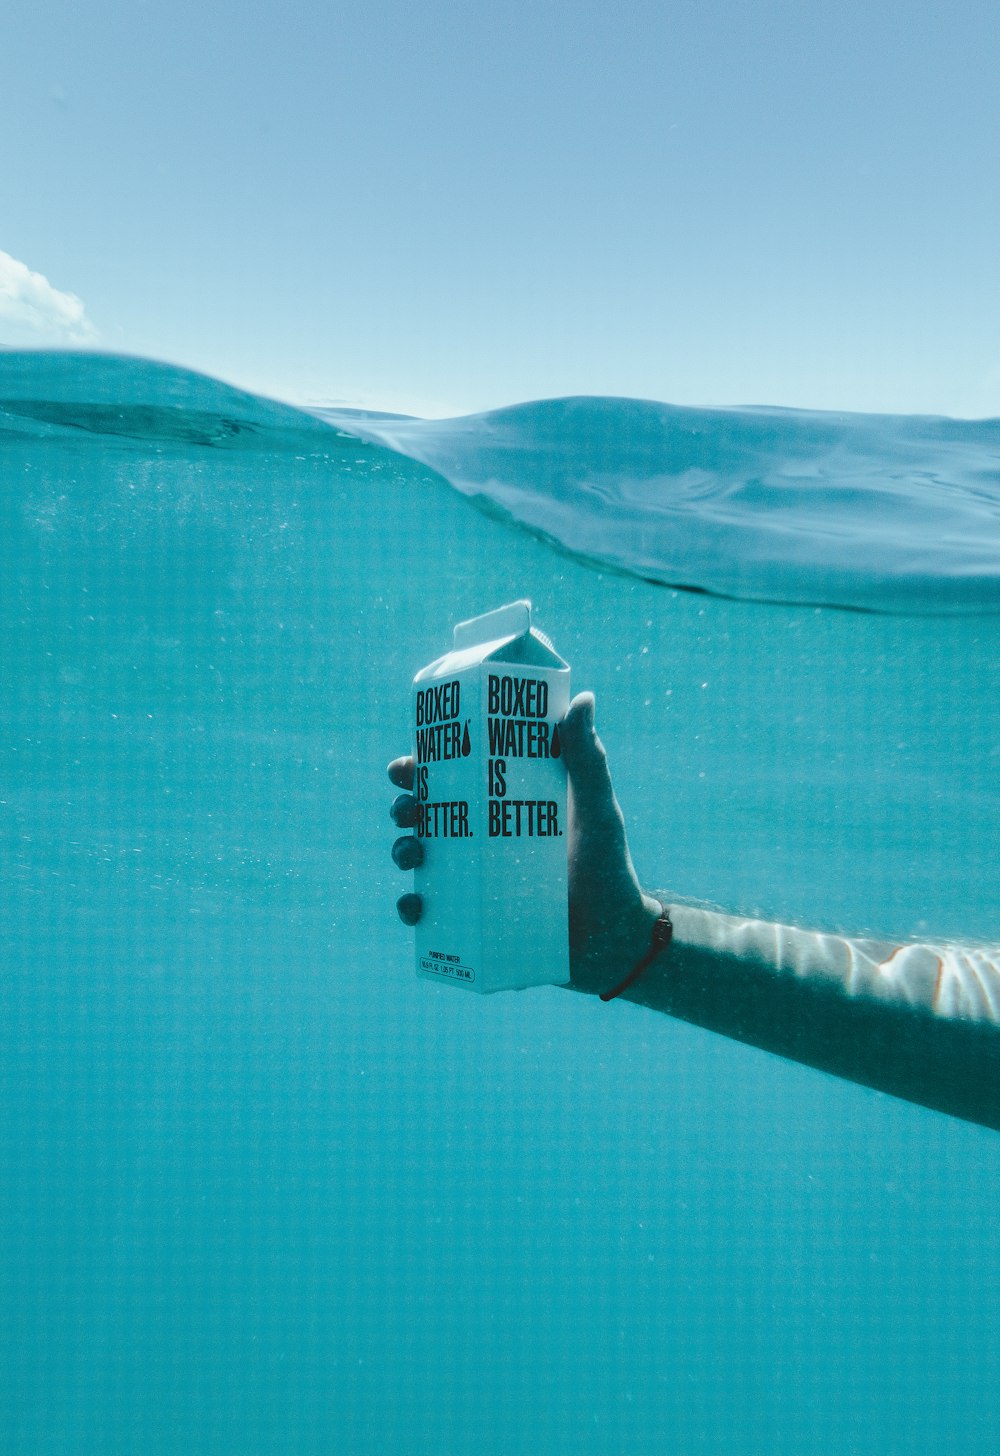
[(587, 763)]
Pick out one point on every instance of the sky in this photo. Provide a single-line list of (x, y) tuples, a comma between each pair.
[(453, 206)]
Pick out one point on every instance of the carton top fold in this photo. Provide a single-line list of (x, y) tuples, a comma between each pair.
[(514, 620), (505, 635)]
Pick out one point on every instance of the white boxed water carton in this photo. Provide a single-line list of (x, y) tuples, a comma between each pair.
[(491, 807)]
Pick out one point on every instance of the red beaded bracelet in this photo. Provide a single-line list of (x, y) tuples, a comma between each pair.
[(661, 937)]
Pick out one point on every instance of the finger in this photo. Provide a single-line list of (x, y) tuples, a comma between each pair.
[(586, 761), (404, 811), (577, 728), (409, 908), (408, 852), (401, 772)]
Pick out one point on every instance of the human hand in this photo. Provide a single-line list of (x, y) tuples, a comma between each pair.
[(610, 918)]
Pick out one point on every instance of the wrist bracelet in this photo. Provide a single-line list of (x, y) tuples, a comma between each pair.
[(661, 937)]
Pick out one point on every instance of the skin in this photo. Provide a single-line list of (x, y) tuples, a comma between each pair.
[(945, 1063), (610, 916)]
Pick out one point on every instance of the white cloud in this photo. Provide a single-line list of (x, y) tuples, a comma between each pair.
[(32, 311)]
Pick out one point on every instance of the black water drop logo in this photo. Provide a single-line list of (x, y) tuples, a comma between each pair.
[(555, 747), (466, 745)]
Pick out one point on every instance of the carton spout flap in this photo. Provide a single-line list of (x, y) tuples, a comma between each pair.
[(514, 620)]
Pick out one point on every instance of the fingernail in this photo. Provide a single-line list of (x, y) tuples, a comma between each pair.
[(400, 773)]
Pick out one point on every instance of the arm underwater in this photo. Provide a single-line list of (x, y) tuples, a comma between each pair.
[(919, 1021), (524, 878)]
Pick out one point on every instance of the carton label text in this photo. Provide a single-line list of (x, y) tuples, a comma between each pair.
[(517, 728)]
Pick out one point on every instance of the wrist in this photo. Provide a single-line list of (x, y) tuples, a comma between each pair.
[(661, 935), (609, 953)]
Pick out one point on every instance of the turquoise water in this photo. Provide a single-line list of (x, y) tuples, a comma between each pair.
[(265, 1192)]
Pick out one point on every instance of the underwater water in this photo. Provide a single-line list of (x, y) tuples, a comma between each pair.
[(262, 1190)]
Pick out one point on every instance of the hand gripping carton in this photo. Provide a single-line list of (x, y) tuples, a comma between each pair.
[(491, 807)]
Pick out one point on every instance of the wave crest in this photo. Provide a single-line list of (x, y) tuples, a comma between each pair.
[(883, 513), (875, 512)]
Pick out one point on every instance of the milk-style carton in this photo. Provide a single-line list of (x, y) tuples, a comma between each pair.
[(491, 807)]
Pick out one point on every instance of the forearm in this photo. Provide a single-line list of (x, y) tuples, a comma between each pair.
[(921, 1022), (945, 980)]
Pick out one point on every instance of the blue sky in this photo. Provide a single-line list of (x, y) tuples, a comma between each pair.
[(452, 206)]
